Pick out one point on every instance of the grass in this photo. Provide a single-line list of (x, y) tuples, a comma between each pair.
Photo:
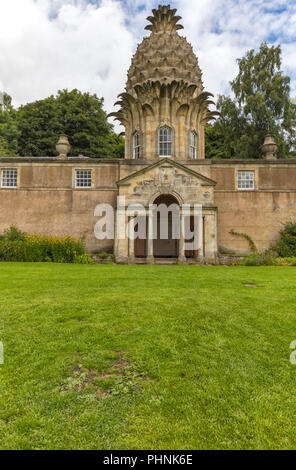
[(147, 357)]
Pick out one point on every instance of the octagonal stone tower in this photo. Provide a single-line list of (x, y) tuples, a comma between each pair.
[(164, 108)]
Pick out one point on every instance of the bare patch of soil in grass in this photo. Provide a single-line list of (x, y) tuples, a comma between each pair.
[(121, 378)]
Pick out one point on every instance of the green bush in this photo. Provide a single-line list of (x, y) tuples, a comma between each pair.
[(267, 258), (291, 261), (103, 255), (83, 259), (286, 246), (16, 246), (258, 259), (12, 233)]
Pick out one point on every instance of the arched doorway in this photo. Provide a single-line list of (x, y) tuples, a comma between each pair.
[(166, 231), (167, 220)]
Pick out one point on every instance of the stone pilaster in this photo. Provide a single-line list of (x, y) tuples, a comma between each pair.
[(182, 257), (150, 241)]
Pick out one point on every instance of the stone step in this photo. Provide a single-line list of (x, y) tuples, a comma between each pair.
[(166, 261), (162, 261), (141, 261)]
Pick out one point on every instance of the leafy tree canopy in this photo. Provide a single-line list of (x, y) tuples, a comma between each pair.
[(37, 125), (261, 105), (9, 132), (5, 102), (5, 149)]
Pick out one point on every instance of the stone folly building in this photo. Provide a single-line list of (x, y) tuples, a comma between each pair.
[(164, 110)]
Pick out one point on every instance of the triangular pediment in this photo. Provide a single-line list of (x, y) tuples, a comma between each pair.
[(166, 164)]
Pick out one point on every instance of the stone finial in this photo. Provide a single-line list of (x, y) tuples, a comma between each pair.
[(269, 148), (63, 147), (164, 19)]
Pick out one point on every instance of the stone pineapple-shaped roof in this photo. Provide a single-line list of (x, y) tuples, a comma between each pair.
[(164, 56), (164, 74)]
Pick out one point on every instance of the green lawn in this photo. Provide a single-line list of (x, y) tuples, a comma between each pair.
[(147, 357)]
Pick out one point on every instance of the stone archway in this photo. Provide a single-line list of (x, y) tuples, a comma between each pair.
[(166, 245)]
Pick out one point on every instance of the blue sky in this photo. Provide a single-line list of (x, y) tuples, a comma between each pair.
[(46, 45)]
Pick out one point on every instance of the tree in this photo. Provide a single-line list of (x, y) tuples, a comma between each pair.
[(261, 106), (9, 133), (5, 150), (221, 136), (5, 102), (76, 114)]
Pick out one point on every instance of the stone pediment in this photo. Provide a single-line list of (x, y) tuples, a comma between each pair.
[(167, 171), (167, 177)]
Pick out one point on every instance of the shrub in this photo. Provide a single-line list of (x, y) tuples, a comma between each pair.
[(103, 255), (291, 261), (16, 246), (106, 256), (258, 259), (286, 246), (58, 250), (267, 258), (83, 259), (12, 233)]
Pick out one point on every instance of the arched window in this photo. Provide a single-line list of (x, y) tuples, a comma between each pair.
[(165, 142), (193, 145), (137, 145)]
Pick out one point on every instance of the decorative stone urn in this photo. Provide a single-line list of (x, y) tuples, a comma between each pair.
[(63, 147), (269, 148)]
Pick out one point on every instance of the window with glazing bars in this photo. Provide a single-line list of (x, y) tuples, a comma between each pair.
[(9, 178), (137, 145), (193, 141), (83, 179), (246, 180), (165, 142)]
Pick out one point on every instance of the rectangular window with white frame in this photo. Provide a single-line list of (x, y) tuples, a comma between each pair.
[(137, 145), (83, 179), (165, 141), (246, 180), (193, 145), (9, 178)]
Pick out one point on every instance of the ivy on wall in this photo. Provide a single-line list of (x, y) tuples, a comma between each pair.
[(252, 245)]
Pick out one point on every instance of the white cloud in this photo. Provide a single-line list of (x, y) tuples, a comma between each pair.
[(223, 30), (46, 45)]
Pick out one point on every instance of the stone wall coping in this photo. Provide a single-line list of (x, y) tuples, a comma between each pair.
[(257, 161), (70, 160), (143, 162)]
